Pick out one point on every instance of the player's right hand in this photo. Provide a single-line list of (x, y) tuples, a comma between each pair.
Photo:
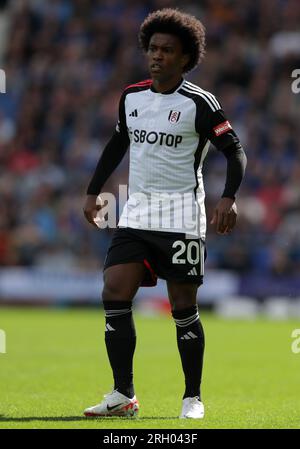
[(225, 215), (91, 209)]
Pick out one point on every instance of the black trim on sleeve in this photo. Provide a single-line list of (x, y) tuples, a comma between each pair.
[(116, 148), (122, 125), (112, 155), (236, 165), (225, 138), (207, 121)]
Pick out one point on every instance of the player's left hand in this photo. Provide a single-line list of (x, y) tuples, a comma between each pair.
[(224, 216)]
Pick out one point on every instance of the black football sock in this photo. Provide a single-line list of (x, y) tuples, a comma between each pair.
[(190, 342), (120, 340)]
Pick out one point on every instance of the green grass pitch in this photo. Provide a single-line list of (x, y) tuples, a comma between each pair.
[(56, 365)]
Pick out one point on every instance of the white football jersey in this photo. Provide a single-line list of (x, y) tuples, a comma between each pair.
[(169, 136)]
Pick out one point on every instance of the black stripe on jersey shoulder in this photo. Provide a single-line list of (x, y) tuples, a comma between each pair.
[(204, 111), (201, 99), (209, 97)]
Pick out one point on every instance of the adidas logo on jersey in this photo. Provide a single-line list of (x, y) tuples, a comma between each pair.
[(133, 113), (188, 336), (109, 328), (193, 272)]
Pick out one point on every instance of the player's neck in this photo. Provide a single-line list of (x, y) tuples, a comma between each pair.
[(166, 86)]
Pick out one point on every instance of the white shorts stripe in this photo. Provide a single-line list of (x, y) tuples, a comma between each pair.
[(201, 258)]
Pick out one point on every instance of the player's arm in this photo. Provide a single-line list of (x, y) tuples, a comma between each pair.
[(225, 212), (221, 134), (111, 157)]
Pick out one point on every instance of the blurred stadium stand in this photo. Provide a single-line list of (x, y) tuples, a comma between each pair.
[(66, 64)]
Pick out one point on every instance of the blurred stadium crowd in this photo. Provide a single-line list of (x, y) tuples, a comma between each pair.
[(66, 64)]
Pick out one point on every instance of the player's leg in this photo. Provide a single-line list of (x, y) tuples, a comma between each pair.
[(121, 283), (180, 260), (190, 342)]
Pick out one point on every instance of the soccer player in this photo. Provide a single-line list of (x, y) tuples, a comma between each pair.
[(168, 124)]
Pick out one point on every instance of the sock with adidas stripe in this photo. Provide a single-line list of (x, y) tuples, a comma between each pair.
[(120, 340), (190, 342)]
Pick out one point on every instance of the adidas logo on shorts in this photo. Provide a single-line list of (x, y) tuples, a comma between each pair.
[(193, 272)]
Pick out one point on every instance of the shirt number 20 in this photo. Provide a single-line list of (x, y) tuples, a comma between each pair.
[(191, 251)]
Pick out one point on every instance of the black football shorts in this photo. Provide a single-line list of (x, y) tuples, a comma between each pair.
[(167, 255)]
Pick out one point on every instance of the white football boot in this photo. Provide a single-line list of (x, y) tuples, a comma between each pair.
[(192, 408), (114, 404)]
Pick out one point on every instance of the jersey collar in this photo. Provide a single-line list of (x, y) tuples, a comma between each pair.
[(168, 92)]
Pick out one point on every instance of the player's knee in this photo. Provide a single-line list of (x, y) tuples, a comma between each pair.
[(182, 302), (113, 290)]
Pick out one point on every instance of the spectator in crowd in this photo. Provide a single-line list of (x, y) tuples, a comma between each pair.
[(65, 63)]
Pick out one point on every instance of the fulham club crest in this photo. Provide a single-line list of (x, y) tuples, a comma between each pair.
[(174, 116)]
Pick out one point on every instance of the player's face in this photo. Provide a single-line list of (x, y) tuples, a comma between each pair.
[(166, 59)]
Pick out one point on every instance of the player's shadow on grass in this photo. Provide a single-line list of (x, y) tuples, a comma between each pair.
[(80, 418)]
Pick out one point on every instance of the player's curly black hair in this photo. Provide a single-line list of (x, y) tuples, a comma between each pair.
[(186, 27)]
